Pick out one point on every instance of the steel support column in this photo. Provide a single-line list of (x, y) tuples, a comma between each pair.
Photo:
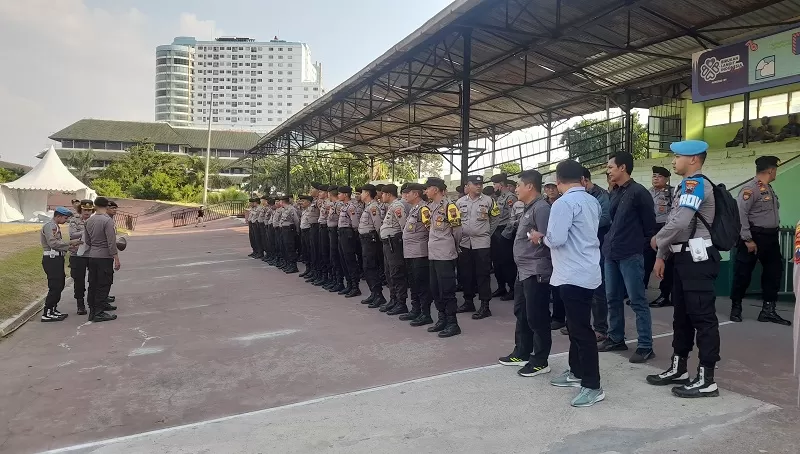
[(392, 166), (465, 104), (493, 138), (349, 169), (746, 121), (288, 172), (549, 132), (371, 167), (628, 123), (608, 127)]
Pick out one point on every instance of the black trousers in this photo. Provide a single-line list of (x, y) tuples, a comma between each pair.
[(269, 240), (395, 268), (77, 271), (347, 250), (505, 270), (279, 251), (695, 313), (583, 360), (252, 234), (323, 249), (418, 270), (371, 252), (532, 308), (665, 287), (443, 285), (559, 313), (313, 247), (289, 248), (56, 279), (334, 256), (262, 235), (101, 276), (769, 254), (305, 246), (474, 273)]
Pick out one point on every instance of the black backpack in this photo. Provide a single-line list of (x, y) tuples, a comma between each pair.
[(726, 228)]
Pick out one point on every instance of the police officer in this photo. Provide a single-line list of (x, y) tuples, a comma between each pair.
[(264, 217), (270, 255), (662, 194), (505, 270), (479, 218), (277, 244), (289, 224), (759, 214), (349, 215), (101, 240), (443, 240), (53, 262), (251, 230), (415, 251), (258, 225), (369, 226), (391, 236), (312, 270), (305, 233), (323, 249), (696, 266), (334, 211), (79, 264)]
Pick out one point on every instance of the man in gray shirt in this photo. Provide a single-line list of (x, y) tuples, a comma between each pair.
[(348, 241), (369, 227), (54, 249), (391, 236), (101, 242), (289, 224), (415, 250), (531, 289)]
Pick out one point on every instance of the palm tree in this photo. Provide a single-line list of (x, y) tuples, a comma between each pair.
[(81, 164)]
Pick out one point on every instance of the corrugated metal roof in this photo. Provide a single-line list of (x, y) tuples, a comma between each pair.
[(530, 59)]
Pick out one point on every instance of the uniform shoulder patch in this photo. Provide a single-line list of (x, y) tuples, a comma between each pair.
[(453, 215), (495, 210), (747, 193), (510, 201), (398, 212), (425, 216), (692, 193), (374, 211)]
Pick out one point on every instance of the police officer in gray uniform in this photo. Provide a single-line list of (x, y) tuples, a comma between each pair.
[(255, 241), (444, 226), (305, 233), (696, 266), (662, 194), (280, 259), (760, 217), (505, 270), (314, 271), (323, 277), (369, 226), (479, 217), (270, 256), (415, 251), (264, 218), (391, 237), (349, 216), (289, 224), (54, 249), (335, 257)]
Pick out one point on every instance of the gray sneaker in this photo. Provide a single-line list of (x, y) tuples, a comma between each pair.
[(566, 380), (588, 397)]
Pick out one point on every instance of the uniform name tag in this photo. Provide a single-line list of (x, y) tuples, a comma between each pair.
[(690, 201)]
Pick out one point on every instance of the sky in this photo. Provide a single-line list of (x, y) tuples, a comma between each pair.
[(65, 60)]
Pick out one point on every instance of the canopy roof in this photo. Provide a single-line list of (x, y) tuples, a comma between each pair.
[(50, 174), (528, 63)]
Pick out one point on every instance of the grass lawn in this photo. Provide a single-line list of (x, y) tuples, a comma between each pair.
[(22, 279), (14, 228)]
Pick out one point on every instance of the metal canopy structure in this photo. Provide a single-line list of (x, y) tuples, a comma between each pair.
[(486, 67)]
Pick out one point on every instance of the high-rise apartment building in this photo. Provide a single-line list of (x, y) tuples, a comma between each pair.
[(239, 82)]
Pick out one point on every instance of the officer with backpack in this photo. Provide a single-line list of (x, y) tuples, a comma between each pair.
[(687, 237)]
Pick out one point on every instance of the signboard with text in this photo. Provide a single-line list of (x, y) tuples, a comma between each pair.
[(760, 63)]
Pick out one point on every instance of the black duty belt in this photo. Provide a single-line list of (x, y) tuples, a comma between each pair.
[(766, 230), (388, 239)]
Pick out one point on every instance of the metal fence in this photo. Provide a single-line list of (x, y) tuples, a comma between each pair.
[(188, 216), (125, 220), (786, 241)]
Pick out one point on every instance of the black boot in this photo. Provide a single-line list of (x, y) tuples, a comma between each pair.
[(386, 307), (452, 328), (441, 322), (337, 287), (291, 268), (483, 312), (320, 281), (663, 301), (399, 308), (736, 311), (305, 273), (355, 291), (102, 317), (702, 386), (509, 296), (370, 298), (81, 307), (379, 301), (468, 306), (346, 289), (423, 319), (412, 315), (768, 314), (499, 292), (675, 375)]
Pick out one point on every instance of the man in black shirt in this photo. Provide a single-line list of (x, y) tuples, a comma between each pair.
[(633, 224)]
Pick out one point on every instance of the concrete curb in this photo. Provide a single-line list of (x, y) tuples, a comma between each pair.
[(12, 324)]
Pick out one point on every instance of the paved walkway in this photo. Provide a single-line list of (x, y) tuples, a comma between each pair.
[(214, 352)]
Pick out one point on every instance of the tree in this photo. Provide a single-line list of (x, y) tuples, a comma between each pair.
[(510, 168), (586, 141), (107, 188), (80, 164), (7, 175)]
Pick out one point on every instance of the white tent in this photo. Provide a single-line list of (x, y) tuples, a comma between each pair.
[(22, 198)]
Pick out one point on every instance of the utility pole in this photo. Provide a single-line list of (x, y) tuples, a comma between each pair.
[(208, 158)]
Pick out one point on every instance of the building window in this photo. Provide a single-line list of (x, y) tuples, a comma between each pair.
[(737, 111), (771, 106), (718, 115)]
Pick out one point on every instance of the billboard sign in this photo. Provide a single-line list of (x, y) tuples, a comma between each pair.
[(767, 62)]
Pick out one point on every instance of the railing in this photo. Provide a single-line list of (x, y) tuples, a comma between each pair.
[(188, 216), (786, 241), (125, 220)]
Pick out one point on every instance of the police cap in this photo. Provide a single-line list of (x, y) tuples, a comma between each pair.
[(379, 187), (475, 179), (316, 186), (460, 189), (112, 204), (766, 162), (688, 147), (61, 211), (285, 198), (87, 204), (270, 201), (306, 197), (499, 178), (661, 171), (437, 182), (368, 187), (390, 189), (252, 200), (404, 188), (345, 190), (415, 187), (488, 190)]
